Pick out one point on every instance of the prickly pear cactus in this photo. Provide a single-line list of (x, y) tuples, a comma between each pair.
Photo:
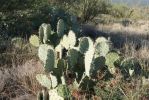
[(72, 38), (64, 42), (102, 46), (45, 94), (89, 56), (46, 54), (61, 65), (73, 57), (34, 40), (98, 64), (68, 41), (63, 91), (111, 58), (44, 80), (41, 34), (53, 95), (130, 66), (54, 81), (45, 32), (60, 28), (86, 84), (84, 44), (59, 51)]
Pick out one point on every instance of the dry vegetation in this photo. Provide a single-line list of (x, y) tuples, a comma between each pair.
[(19, 66), (18, 69)]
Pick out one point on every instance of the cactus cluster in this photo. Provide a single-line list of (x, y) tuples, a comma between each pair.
[(47, 35), (81, 56)]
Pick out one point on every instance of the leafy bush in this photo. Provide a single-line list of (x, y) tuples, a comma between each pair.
[(121, 11), (85, 9)]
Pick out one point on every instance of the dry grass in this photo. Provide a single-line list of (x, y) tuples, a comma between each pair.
[(17, 73), (20, 80)]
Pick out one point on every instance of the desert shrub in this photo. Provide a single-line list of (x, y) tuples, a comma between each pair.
[(121, 11), (89, 9), (85, 9)]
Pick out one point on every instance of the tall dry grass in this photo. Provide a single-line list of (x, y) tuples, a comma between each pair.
[(18, 68)]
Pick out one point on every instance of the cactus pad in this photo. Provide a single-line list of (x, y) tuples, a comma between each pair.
[(46, 29), (73, 57), (34, 40), (46, 54), (41, 34), (54, 95), (63, 91), (54, 81), (102, 47), (60, 28), (89, 56), (130, 66), (68, 41), (71, 38), (44, 80), (111, 58), (84, 44)]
